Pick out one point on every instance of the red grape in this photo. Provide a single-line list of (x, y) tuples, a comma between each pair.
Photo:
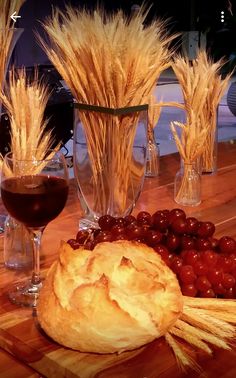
[(120, 237), (224, 263), (227, 244), (82, 236), (187, 275), (160, 248), (172, 241), (232, 258), (209, 257), (187, 242), (179, 226), (228, 280), (129, 219), (95, 232), (119, 221), (202, 283), (215, 276), (176, 264), (153, 237), (160, 221), (144, 230), (191, 225), (117, 230), (133, 231), (191, 257), (205, 229), (214, 242), (219, 289), (189, 290), (103, 236), (203, 244), (200, 268), (209, 293), (144, 217), (163, 252), (176, 213), (106, 222)]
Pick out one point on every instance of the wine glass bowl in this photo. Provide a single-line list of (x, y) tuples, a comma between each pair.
[(34, 191), (39, 198)]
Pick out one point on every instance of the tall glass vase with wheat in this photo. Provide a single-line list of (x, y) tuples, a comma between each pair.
[(110, 167), (111, 64)]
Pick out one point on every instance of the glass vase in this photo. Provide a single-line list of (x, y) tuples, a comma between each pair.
[(109, 156), (153, 155), (18, 247), (187, 185)]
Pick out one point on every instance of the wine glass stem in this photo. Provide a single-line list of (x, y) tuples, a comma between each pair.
[(37, 236)]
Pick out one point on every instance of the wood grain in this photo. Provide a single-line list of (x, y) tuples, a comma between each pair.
[(22, 338)]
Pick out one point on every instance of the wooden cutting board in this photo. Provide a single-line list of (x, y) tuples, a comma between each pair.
[(21, 336)]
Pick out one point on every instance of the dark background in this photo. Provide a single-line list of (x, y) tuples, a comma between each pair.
[(183, 15)]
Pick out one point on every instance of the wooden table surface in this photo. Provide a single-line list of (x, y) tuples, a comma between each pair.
[(24, 346)]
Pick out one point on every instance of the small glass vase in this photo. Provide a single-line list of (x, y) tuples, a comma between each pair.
[(109, 156), (18, 247), (153, 155), (187, 185)]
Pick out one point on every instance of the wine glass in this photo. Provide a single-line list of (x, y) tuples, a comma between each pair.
[(34, 191)]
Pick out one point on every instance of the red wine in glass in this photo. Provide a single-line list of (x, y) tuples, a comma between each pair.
[(39, 199), (34, 191)]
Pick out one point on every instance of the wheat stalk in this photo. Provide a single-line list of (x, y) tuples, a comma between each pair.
[(109, 61), (25, 103), (204, 321)]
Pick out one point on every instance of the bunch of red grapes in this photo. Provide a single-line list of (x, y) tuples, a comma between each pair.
[(205, 266)]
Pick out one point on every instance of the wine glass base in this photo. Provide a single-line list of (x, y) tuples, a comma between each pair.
[(24, 293)]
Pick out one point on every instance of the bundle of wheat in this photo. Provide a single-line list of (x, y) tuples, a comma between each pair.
[(203, 321), (25, 103), (202, 88), (109, 61)]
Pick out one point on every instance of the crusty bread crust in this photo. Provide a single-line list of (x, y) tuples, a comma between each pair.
[(117, 297)]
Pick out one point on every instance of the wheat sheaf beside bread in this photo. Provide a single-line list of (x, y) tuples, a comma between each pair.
[(118, 297)]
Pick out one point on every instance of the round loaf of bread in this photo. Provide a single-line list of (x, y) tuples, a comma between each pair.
[(117, 297)]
